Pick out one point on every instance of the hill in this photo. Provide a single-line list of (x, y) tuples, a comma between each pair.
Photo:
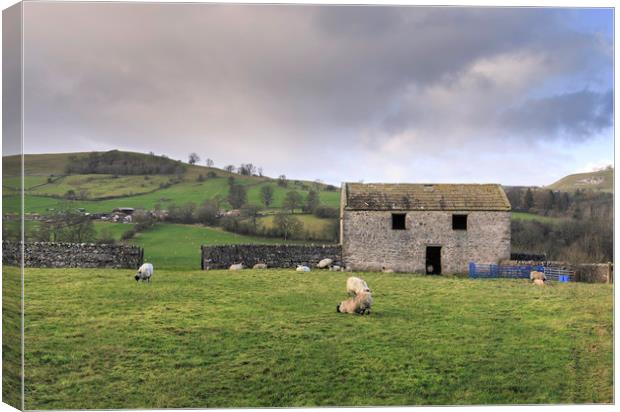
[(106, 184), (601, 180)]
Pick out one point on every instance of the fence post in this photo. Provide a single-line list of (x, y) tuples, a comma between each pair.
[(472, 270)]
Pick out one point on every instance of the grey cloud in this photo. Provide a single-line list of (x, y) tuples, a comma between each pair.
[(274, 79), (577, 115)]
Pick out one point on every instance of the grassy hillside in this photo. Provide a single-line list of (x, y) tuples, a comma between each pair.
[(40, 164), (602, 180), (96, 339), (46, 185)]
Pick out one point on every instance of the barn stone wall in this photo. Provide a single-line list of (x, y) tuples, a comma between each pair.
[(370, 243), (72, 255), (277, 256)]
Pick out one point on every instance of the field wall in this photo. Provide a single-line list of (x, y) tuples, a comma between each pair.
[(276, 256), (73, 255), (584, 272)]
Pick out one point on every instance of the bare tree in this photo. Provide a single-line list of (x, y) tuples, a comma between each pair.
[(209, 162), (193, 158), (229, 168)]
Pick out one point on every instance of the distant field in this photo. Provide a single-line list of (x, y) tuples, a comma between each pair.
[(186, 192), (311, 223), (101, 185), (173, 246), (532, 216), (192, 339)]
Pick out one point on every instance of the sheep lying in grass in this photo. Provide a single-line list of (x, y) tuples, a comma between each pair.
[(335, 268), (237, 266), (260, 266), (324, 263), (386, 270), (144, 273), (359, 304), (537, 275), (356, 286), (302, 268), (539, 282)]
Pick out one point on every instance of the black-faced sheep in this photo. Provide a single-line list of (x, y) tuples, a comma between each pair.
[(144, 273), (359, 304)]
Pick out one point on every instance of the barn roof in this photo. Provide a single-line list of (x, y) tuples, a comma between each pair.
[(409, 196)]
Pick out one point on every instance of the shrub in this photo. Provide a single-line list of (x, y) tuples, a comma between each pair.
[(326, 212)]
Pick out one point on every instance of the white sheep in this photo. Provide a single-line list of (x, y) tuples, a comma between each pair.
[(237, 266), (260, 266), (356, 286), (537, 275), (144, 273), (539, 282), (324, 263), (359, 304), (302, 268), (335, 268), (386, 270)]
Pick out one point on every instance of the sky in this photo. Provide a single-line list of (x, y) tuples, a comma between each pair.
[(518, 96)]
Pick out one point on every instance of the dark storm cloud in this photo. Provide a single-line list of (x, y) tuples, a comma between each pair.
[(276, 80)]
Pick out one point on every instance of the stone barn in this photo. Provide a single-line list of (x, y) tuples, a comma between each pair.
[(423, 228)]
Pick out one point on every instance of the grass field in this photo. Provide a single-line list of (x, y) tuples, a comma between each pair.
[(175, 246), (311, 223), (532, 216), (180, 193), (96, 339)]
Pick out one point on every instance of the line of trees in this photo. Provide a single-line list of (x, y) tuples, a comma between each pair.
[(121, 163)]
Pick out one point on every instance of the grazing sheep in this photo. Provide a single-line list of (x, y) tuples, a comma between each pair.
[(539, 282), (359, 304), (537, 275), (260, 266), (356, 286), (144, 273), (238, 266), (324, 263), (302, 268), (386, 270)]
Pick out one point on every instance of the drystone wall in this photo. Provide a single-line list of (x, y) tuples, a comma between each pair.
[(72, 255), (276, 256)]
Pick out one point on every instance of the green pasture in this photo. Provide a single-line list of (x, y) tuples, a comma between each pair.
[(535, 217), (100, 185), (175, 246), (204, 339), (311, 223)]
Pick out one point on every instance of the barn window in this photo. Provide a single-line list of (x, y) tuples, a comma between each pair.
[(459, 222), (398, 221)]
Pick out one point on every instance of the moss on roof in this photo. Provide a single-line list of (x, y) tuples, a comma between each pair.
[(409, 196)]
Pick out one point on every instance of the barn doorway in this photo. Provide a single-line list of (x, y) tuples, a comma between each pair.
[(433, 260)]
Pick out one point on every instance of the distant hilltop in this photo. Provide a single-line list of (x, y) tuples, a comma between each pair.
[(600, 180)]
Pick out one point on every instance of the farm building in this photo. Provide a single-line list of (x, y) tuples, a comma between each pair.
[(423, 228)]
